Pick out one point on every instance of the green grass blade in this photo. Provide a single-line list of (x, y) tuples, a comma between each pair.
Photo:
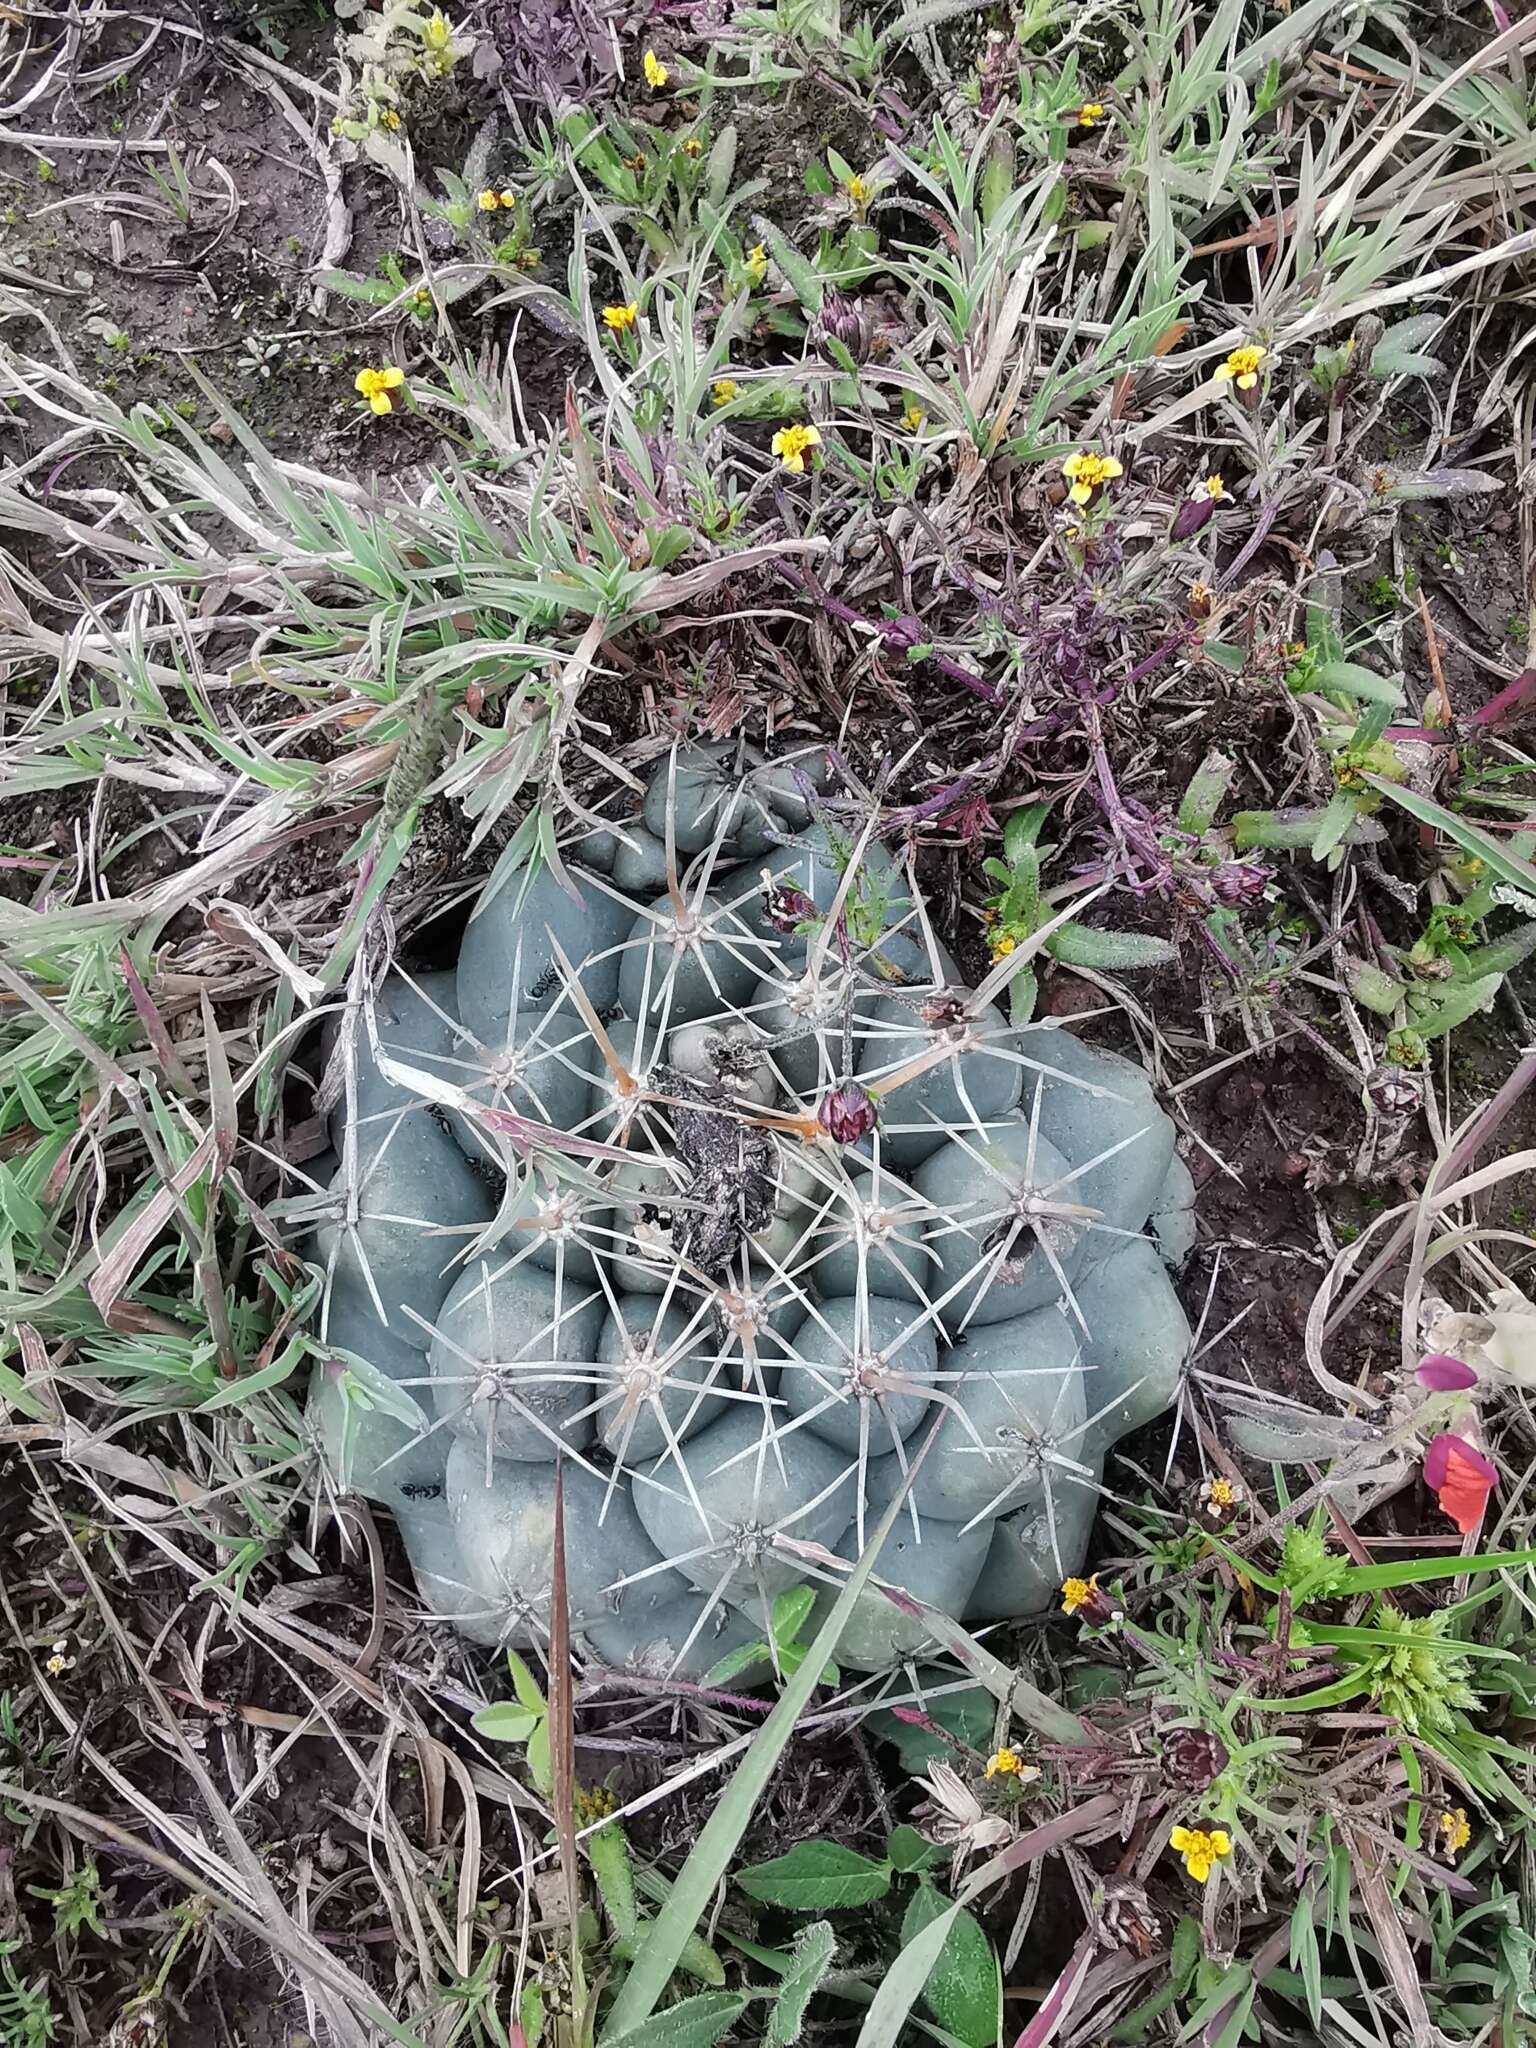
[(710, 1856), (1509, 867)]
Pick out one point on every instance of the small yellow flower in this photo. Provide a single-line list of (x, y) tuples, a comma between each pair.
[(656, 73), (389, 119), (913, 418), (508, 200), (376, 385), (1221, 1493), (488, 201), (1075, 1593), (1213, 488), (1085, 472), (1091, 113), (1455, 1831), (1002, 947), (1005, 1763), (724, 390), (58, 1663), (756, 263), (790, 444), (620, 319), (859, 190), (1242, 367), (693, 147), (1201, 1848)]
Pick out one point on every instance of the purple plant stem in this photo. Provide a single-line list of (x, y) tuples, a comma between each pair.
[(895, 634), (1499, 710)]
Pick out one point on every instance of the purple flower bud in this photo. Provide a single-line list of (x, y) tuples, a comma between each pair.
[(842, 320), (1193, 513), (787, 908), (1240, 881), (847, 1114), (1443, 1374)]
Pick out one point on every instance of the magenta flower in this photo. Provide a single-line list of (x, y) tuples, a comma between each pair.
[(1443, 1374)]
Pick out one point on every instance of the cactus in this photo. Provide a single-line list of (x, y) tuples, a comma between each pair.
[(718, 1184)]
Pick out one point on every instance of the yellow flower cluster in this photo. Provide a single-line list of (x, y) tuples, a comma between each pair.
[(1201, 1848), (1091, 113), (790, 444), (1086, 472), (488, 201), (376, 385), (1242, 366), (1455, 1831)]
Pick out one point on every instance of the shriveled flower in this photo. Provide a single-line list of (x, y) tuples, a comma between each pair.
[(1090, 114), (955, 1818), (1087, 1600), (790, 445), (848, 1113), (755, 263), (1007, 1763), (1455, 1831), (913, 418), (693, 147), (1004, 944), (488, 201), (1242, 366), (1201, 1848), (508, 198), (1240, 881), (1087, 473), (723, 390), (1124, 1917), (1192, 1757), (1393, 1090), (376, 385), (786, 907), (656, 73), (620, 319)]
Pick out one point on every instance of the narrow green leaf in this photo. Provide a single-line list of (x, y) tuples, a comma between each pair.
[(1509, 867), (711, 1854), (817, 1877), (1412, 1571), (608, 1853), (810, 1960), (696, 2022)]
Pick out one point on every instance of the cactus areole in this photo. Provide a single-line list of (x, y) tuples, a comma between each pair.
[(706, 1174)]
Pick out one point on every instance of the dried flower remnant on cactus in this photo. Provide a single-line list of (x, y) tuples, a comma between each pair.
[(847, 1114)]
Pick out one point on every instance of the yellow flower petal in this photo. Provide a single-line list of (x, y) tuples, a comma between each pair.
[(381, 403)]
